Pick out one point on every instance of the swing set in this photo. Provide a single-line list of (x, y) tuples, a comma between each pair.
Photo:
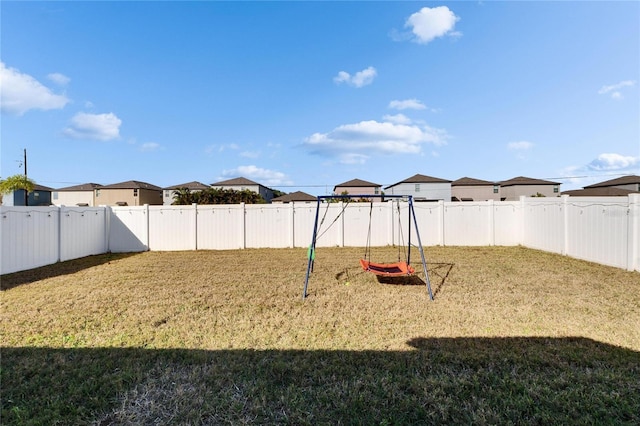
[(401, 268)]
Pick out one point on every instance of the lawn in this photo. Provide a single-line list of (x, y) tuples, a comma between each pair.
[(514, 335)]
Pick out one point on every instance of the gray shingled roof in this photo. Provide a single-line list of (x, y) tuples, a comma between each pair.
[(294, 196), (132, 184), (523, 180), (599, 192), (83, 187), (625, 180), (418, 178), (357, 183), (192, 186), (467, 181), (239, 181)]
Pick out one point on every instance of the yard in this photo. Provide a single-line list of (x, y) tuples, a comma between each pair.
[(514, 335)]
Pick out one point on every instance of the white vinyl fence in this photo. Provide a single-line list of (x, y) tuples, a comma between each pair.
[(604, 230)]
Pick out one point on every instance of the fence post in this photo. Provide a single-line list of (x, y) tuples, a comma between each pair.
[(243, 234), (522, 227), (565, 224), (441, 221), (60, 208), (146, 213), (195, 225), (492, 223), (633, 233), (292, 224)]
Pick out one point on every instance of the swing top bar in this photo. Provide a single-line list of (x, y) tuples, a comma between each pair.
[(381, 196)]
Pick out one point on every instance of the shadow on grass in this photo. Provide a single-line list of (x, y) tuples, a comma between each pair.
[(436, 380), (9, 281)]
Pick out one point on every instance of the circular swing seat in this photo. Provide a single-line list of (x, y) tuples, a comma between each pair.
[(397, 269)]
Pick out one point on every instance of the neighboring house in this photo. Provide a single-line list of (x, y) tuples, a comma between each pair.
[(295, 197), (78, 195), (169, 192), (422, 188), (40, 196), (513, 189), (620, 187), (130, 193), (240, 184), (631, 183), (470, 189), (599, 192), (357, 187)]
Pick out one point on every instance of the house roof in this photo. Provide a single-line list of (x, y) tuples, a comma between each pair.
[(624, 180), (523, 180), (132, 184), (192, 186), (82, 187), (294, 196), (599, 192), (421, 179), (357, 183), (37, 187), (239, 181), (467, 181)]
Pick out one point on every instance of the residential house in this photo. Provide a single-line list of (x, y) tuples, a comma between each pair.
[(295, 197), (357, 187), (129, 193), (422, 188), (77, 195), (40, 196), (631, 183), (169, 192), (619, 187), (513, 189), (240, 184), (470, 189)]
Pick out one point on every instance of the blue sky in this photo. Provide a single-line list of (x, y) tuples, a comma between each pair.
[(307, 95)]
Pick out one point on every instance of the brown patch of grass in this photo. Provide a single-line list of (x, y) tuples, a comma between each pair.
[(166, 334)]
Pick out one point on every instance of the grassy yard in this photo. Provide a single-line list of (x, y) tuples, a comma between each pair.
[(223, 337)]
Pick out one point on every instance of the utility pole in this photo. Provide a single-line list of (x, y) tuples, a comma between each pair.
[(26, 192)]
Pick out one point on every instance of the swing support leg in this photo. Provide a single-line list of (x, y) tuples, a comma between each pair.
[(312, 251), (424, 261)]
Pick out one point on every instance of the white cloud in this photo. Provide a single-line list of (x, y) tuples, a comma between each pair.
[(520, 146), (359, 79), (250, 154), (264, 176), (102, 127), (397, 119), (431, 23), (357, 142), (59, 79), (21, 93), (614, 89), (149, 146), (407, 104), (611, 161)]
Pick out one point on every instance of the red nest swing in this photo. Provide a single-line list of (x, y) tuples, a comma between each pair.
[(397, 269)]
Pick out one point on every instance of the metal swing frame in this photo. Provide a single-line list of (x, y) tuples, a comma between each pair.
[(412, 218)]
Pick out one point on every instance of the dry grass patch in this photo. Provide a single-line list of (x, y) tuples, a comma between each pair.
[(214, 337)]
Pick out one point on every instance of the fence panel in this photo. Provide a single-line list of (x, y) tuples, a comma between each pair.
[(507, 221), (429, 216), (304, 216), (30, 237), (268, 225), (543, 224), (468, 223), (128, 229), (221, 227), (82, 232), (172, 228), (606, 221)]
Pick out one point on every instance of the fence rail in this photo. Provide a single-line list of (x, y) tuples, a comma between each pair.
[(605, 230)]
